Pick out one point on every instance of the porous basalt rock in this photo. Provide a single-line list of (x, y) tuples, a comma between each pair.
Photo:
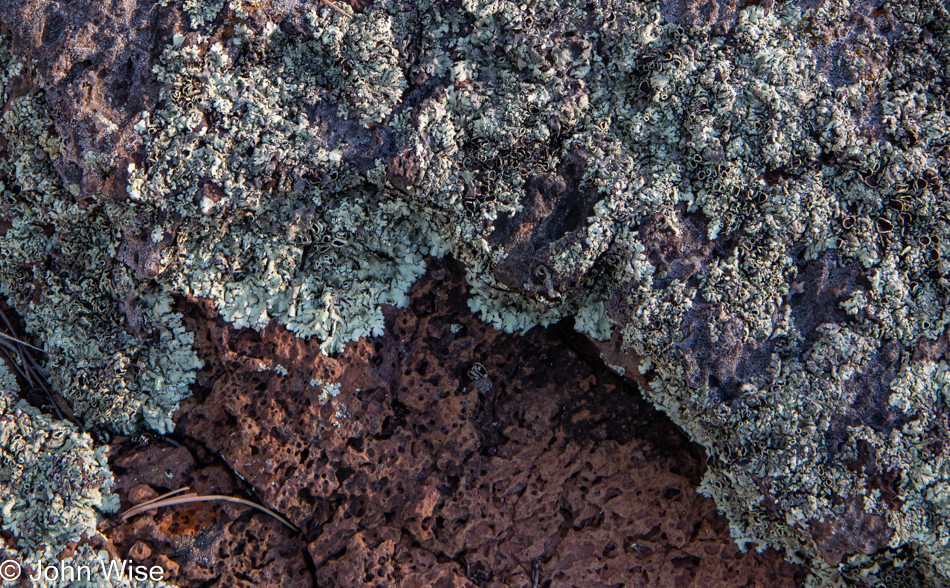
[(456, 455), (300, 163), (204, 544)]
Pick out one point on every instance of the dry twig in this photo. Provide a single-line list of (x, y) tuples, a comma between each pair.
[(337, 8)]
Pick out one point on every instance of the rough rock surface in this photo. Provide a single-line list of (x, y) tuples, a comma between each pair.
[(208, 544), (452, 455), (752, 210), (94, 61)]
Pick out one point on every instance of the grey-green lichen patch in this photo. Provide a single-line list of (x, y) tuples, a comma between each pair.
[(61, 273), (716, 124), (328, 390), (54, 483), (772, 249), (116, 349), (272, 224), (201, 12), (362, 57), (505, 311), (273, 218), (8, 381)]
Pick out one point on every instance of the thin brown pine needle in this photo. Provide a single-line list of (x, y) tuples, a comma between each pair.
[(9, 338), (168, 500), (27, 366), (164, 496), (337, 8)]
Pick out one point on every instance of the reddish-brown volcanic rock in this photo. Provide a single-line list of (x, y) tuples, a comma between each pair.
[(423, 472), (209, 544)]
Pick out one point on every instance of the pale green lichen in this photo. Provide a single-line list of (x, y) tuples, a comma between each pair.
[(54, 483), (328, 390), (778, 430), (593, 319), (8, 381), (251, 195), (201, 11), (322, 261), (116, 349)]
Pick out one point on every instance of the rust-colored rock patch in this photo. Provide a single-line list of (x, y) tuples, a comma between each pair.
[(211, 544), (444, 453)]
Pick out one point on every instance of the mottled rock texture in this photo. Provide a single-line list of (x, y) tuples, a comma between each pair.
[(212, 543), (93, 62), (540, 470), (743, 205)]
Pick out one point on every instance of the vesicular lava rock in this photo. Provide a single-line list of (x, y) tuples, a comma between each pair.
[(204, 544), (452, 454), (747, 209)]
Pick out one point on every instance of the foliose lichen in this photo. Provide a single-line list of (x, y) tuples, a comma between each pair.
[(8, 381), (760, 214), (116, 350), (54, 483)]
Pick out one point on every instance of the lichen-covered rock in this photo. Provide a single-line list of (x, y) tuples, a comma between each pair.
[(53, 482), (447, 453), (756, 211), (116, 349), (55, 485), (93, 62)]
